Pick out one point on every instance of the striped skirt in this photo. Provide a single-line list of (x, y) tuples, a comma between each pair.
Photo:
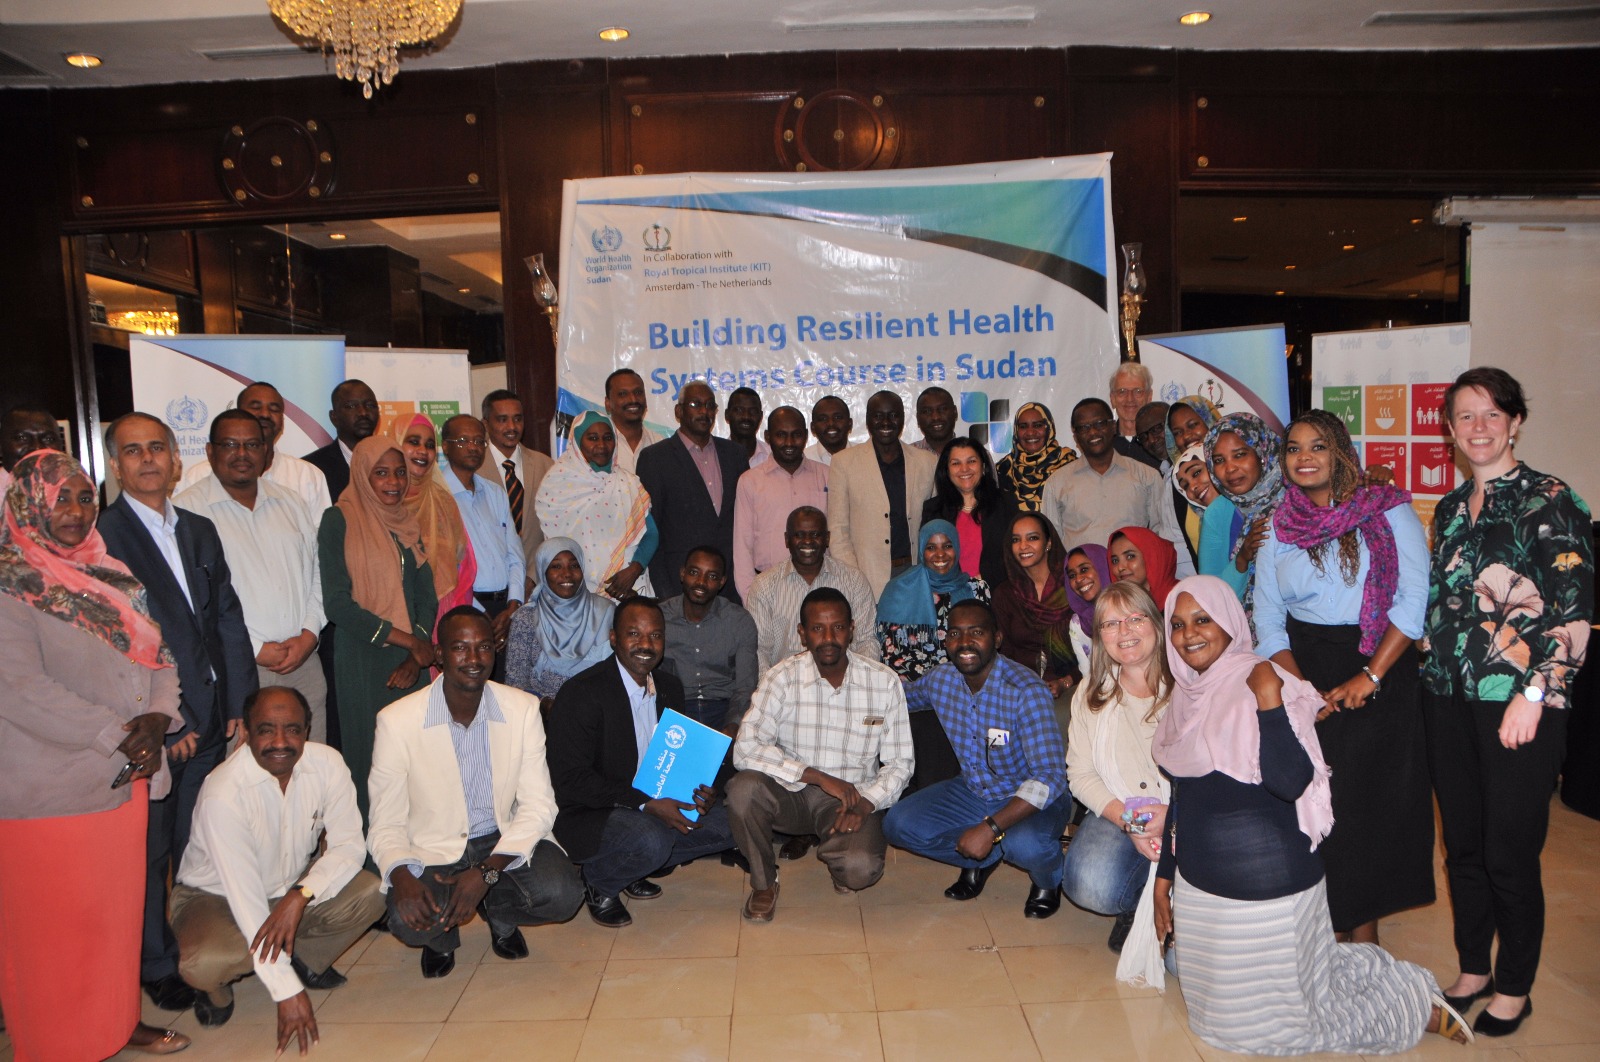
[(1266, 977)]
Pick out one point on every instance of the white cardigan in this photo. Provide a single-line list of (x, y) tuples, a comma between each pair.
[(1130, 739)]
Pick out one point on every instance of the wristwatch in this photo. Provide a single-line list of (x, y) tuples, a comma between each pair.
[(491, 876), (1533, 694), (1377, 683), (307, 893)]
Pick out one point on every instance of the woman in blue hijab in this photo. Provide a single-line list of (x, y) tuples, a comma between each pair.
[(563, 628), (911, 614)]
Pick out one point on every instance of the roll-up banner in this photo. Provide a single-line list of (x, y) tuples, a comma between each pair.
[(1240, 370), (995, 281), (1388, 385), (435, 383)]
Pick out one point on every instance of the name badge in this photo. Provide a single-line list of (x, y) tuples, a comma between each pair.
[(998, 737), (873, 720)]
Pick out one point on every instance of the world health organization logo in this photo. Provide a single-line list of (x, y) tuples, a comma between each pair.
[(605, 239), (658, 238), (676, 736), (186, 414)]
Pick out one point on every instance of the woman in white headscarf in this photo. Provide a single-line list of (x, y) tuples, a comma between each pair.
[(605, 509)]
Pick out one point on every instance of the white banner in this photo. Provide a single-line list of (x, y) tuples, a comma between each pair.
[(994, 281), (436, 383), (1388, 385)]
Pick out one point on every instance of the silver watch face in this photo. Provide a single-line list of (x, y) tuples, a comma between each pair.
[(1533, 695), (490, 875)]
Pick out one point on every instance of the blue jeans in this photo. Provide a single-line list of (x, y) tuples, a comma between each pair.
[(635, 844), (930, 821), (1104, 872)]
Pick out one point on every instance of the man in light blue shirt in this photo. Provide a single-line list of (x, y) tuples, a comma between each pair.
[(486, 514)]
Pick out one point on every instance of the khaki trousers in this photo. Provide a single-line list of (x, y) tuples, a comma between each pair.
[(758, 805), (212, 952)]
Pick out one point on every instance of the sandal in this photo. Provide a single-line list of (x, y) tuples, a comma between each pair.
[(1452, 1026)]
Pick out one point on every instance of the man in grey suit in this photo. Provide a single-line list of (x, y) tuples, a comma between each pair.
[(178, 556), (692, 479), (518, 468)]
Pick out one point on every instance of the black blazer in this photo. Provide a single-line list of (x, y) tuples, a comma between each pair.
[(216, 665), (996, 526), (682, 508), (593, 756), (330, 461)]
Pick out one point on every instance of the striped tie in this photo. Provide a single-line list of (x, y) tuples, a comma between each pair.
[(513, 493)]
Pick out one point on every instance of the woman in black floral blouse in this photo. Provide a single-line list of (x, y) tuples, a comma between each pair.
[(1510, 602)]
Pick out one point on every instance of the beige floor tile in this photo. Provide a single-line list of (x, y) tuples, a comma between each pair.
[(665, 988), (392, 992), (1057, 973), (803, 984), (920, 980), (1012, 929), (529, 991), (576, 940), (476, 1041), (1559, 1053), (705, 883), (702, 1039), (950, 926), (385, 950), (1562, 1014), (1437, 1049), (677, 934), (338, 1042), (805, 1038), (804, 931), (999, 1033), (1123, 1029), (911, 879)]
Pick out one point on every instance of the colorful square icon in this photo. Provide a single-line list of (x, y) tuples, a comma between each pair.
[(1344, 403), (1427, 412), (1390, 454), (1387, 412), (1433, 468), (1424, 508)]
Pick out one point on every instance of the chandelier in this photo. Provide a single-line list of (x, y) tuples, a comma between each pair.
[(365, 36)]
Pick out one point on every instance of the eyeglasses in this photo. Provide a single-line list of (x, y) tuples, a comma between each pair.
[(1129, 392), (229, 446), (1132, 624), (467, 440), (697, 405)]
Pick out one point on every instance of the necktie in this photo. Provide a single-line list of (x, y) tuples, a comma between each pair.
[(513, 493)]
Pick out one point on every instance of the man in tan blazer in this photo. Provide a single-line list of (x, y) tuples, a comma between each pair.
[(873, 529), (502, 417), (462, 807)]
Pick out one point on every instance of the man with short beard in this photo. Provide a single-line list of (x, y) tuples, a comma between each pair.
[(264, 402), (259, 891), (743, 416), (354, 416), (936, 419), (518, 468), (830, 424), (711, 643), (486, 515), (626, 407), (24, 429)]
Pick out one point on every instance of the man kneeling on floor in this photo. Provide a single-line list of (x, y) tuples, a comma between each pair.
[(824, 749), (600, 727), (462, 806), (245, 875), (1010, 801)]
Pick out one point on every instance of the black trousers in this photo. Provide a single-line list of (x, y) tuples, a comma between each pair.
[(1494, 812), (170, 818), (544, 889)]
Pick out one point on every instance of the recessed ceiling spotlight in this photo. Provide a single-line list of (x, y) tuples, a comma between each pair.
[(464, 291), (1416, 221), (337, 236), (1195, 18), (1241, 217), (614, 34), (1349, 246), (82, 60), (1279, 292), (1288, 267)]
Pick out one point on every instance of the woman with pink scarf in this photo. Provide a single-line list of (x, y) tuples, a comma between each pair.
[(1341, 590)]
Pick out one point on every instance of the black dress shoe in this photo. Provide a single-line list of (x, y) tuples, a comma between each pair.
[(643, 889), (437, 963), (208, 1014), (170, 993), (795, 847), (1119, 931), (1461, 1003), (607, 911), (511, 946), (971, 882), (1489, 1025), (382, 924), (327, 979), (735, 858), (1042, 903)]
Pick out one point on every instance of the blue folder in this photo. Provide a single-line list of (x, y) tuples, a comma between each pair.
[(683, 755)]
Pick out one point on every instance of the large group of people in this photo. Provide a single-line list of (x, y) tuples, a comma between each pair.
[(282, 701)]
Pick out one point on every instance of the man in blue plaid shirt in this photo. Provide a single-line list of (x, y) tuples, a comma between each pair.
[(1010, 801)]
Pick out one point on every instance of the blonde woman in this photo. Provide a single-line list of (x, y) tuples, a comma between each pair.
[(1109, 765)]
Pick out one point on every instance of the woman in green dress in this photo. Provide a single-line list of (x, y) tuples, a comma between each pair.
[(378, 591)]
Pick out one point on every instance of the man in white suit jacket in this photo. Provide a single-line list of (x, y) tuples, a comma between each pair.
[(865, 522), (462, 807)]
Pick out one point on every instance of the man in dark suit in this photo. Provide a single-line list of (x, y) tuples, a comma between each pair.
[(596, 734), (354, 416), (692, 479), (177, 555)]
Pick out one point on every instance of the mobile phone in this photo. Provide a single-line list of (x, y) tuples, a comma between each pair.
[(124, 776)]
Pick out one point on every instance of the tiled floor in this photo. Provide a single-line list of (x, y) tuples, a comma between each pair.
[(897, 972)]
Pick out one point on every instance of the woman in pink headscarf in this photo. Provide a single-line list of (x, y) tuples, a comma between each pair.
[(1240, 885)]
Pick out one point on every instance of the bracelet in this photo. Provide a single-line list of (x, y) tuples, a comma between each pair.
[(999, 834), (1377, 683)]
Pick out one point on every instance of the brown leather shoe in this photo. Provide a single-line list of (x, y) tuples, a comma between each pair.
[(841, 889), (762, 904), (157, 1041)]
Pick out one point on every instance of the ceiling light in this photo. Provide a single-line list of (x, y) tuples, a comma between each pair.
[(1288, 267), (1349, 246), (365, 38), (82, 60), (1277, 292), (1416, 221), (337, 236), (614, 34), (1241, 217), (464, 291), (1195, 18)]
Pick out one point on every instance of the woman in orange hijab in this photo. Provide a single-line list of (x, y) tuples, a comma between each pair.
[(444, 536)]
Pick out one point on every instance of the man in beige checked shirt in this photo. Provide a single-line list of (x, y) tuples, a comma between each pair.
[(824, 749)]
